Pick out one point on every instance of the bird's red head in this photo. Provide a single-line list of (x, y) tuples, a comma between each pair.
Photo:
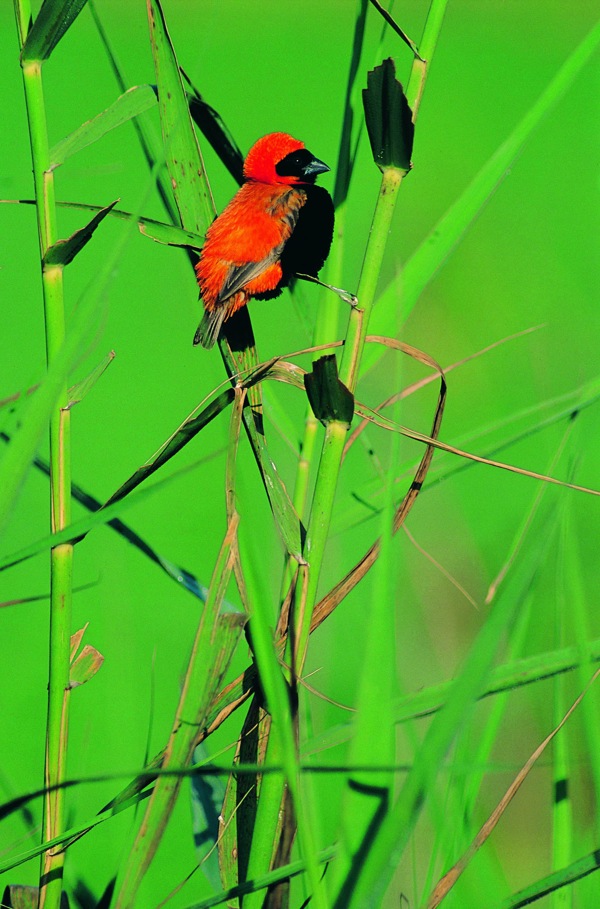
[(279, 158)]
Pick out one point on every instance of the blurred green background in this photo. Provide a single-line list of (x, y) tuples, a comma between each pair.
[(529, 260)]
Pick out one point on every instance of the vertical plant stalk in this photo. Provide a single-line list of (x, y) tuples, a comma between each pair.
[(327, 321), (335, 433), (61, 557)]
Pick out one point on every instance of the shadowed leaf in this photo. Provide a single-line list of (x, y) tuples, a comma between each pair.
[(16, 896), (388, 118), (186, 432), (168, 234), (207, 800), (64, 251), (329, 398), (399, 31)]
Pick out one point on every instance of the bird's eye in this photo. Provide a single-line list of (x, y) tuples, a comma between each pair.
[(294, 164)]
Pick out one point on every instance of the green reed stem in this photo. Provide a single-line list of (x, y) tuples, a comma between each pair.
[(61, 557), (335, 433)]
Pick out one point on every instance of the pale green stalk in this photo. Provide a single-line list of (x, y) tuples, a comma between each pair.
[(61, 558), (335, 433)]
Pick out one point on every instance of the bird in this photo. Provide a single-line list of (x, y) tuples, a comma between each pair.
[(278, 224)]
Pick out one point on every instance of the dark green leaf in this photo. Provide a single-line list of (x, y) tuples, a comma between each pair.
[(64, 251), (135, 101), (399, 31), (388, 118), (52, 21), (328, 396)]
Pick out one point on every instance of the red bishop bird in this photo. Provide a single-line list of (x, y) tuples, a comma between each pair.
[(277, 225)]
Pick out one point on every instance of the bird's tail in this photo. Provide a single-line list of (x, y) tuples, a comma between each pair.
[(209, 329)]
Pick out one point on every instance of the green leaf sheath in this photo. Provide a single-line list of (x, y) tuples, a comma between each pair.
[(51, 23)]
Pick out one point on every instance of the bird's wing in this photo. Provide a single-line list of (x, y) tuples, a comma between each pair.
[(239, 276), (284, 208)]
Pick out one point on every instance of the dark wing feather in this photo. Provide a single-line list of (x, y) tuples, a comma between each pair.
[(240, 275), (308, 247), (210, 327)]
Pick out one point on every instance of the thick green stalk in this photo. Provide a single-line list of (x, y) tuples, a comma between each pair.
[(333, 445), (335, 432), (61, 558), (326, 327)]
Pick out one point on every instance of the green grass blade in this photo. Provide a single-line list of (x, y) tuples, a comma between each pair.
[(575, 602), (159, 231), (180, 438), (216, 638), (135, 101), (420, 269), (389, 844), (182, 153), (144, 133), (53, 20), (367, 795), (78, 529), (77, 392), (72, 833), (196, 210), (563, 407), (553, 882), (506, 677), (261, 883), (176, 572), (34, 411)]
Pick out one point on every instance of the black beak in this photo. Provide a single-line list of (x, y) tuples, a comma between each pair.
[(315, 167)]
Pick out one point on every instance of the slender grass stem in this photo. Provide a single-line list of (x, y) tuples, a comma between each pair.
[(61, 557)]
